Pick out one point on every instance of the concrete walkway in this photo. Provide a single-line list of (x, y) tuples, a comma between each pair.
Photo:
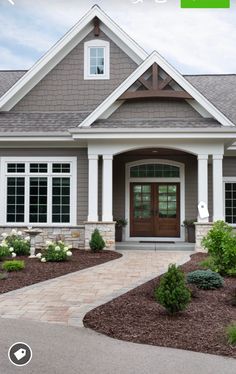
[(62, 349), (65, 300)]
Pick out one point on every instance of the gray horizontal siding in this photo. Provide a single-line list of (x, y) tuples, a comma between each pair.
[(229, 167)]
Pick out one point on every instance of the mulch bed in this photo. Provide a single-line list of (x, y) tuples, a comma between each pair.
[(35, 271), (137, 317)]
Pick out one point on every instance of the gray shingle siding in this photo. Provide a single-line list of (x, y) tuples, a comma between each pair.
[(150, 109), (64, 88)]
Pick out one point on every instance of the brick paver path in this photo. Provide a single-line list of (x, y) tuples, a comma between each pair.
[(65, 300)]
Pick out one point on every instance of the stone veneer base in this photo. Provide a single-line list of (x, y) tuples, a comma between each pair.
[(202, 229), (71, 235), (106, 229)]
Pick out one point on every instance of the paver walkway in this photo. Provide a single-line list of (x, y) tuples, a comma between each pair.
[(65, 300)]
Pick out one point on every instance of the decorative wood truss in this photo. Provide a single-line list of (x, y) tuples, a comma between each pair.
[(96, 23), (154, 88)]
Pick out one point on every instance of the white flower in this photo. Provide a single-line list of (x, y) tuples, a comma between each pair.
[(4, 243), (19, 233), (48, 242), (39, 255), (11, 249), (27, 238), (13, 232), (13, 255), (60, 241), (43, 259), (4, 235), (57, 248), (66, 249), (69, 253)]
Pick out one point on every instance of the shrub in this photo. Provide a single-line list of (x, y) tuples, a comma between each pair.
[(231, 333), (221, 245), (55, 252), (205, 279), (96, 243), (3, 276), (4, 251), (13, 265), (17, 241), (208, 263), (172, 292)]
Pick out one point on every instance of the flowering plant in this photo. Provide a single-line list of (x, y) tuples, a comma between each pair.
[(16, 241), (55, 252), (6, 251)]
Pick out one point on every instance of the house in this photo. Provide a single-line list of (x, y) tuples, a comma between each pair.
[(97, 129)]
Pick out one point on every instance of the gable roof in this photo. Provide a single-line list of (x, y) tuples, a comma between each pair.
[(64, 46), (172, 72), (219, 90)]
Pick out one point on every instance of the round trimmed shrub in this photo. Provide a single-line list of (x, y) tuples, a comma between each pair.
[(205, 279), (172, 293), (13, 265)]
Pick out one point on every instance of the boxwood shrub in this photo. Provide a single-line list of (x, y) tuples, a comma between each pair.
[(13, 265), (205, 279)]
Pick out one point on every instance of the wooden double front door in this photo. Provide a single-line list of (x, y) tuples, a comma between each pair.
[(155, 209)]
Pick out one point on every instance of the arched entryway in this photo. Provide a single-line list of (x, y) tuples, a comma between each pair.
[(149, 191)]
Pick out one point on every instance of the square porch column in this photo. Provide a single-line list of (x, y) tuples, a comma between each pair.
[(218, 206), (107, 189), (93, 189), (203, 182)]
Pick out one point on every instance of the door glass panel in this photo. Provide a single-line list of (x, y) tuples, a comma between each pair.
[(167, 197), (142, 201)]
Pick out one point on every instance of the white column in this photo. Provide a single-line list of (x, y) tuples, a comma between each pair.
[(203, 182), (93, 189), (218, 205), (107, 189)]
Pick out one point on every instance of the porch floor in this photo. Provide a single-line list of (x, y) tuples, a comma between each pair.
[(176, 246)]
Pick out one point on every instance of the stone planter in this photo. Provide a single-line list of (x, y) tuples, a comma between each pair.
[(119, 233)]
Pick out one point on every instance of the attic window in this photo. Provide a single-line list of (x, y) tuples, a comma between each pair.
[(97, 59)]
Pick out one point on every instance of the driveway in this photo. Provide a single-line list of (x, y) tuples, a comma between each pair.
[(62, 349), (65, 300)]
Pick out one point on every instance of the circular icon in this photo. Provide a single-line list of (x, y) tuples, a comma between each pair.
[(20, 354)]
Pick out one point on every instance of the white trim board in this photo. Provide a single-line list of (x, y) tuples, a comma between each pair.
[(64, 46), (180, 180), (170, 70)]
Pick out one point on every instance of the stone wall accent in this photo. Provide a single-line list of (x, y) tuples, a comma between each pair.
[(70, 235), (202, 229), (106, 229)]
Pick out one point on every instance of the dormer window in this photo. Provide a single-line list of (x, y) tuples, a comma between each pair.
[(97, 59)]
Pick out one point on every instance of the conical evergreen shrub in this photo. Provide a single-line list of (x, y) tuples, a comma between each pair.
[(96, 243), (172, 293)]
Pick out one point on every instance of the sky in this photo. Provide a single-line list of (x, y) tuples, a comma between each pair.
[(195, 41)]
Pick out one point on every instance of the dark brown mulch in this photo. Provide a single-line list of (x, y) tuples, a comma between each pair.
[(136, 317), (35, 271)]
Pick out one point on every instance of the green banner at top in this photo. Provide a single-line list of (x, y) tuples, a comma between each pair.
[(205, 3)]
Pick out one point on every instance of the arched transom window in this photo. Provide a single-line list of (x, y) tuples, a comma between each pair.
[(154, 171)]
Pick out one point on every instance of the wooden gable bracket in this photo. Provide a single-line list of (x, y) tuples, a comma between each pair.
[(155, 88), (96, 23)]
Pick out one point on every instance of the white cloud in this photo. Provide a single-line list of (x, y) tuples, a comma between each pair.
[(10, 61), (192, 40)]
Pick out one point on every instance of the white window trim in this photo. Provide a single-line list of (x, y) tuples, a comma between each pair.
[(180, 180), (102, 44), (227, 180), (73, 189)]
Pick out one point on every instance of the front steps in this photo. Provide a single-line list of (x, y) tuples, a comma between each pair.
[(177, 246)]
